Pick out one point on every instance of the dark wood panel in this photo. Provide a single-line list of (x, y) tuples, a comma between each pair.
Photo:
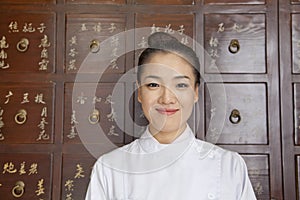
[(85, 35), (236, 43), (27, 42), (27, 1), (169, 2), (26, 176), (26, 113), (93, 111), (95, 1), (226, 2), (246, 113)]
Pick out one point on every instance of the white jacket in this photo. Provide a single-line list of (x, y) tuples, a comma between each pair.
[(187, 169)]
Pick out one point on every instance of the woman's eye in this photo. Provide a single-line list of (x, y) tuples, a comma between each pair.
[(182, 85), (152, 85)]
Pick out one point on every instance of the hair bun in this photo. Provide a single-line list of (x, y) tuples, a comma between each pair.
[(161, 39)]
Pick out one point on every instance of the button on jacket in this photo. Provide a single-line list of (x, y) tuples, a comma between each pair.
[(187, 169)]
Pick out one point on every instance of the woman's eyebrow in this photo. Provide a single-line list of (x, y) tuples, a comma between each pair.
[(153, 76), (181, 77)]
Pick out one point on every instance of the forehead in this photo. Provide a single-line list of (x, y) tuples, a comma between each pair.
[(167, 65)]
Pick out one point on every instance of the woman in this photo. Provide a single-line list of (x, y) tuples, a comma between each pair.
[(168, 162)]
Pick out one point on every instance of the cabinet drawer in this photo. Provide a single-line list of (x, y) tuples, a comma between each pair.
[(96, 1), (296, 88), (258, 171), (296, 43), (27, 42), (234, 2), (246, 113), (169, 2), (25, 176), (236, 43), (93, 113), (27, 1), (85, 34), (26, 113), (76, 175)]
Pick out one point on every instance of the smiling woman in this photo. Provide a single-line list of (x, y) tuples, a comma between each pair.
[(168, 162)]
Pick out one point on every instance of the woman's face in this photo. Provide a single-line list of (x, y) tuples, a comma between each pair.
[(167, 92)]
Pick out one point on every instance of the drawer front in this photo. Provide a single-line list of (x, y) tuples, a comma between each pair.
[(170, 2), (246, 113), (296, 43), (27, 1), (95, 1), (297, 112), (234, 2), (258, 171), (26, 176), (94, 112), (76, 175), (26, 113), (85, 33), (27, 42), (236, 43)]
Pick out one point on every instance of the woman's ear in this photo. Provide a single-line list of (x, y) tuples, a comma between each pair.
[(138, 91), (196, 96)]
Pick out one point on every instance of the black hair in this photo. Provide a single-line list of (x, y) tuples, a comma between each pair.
[(161, 42)]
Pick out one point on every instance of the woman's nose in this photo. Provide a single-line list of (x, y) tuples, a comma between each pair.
[(167, 96)]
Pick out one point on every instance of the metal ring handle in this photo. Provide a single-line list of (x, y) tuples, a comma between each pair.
[(19, 189), (234, 46), (23, 44), (21, 116), (94, 117), (235, 116), (94, 46)]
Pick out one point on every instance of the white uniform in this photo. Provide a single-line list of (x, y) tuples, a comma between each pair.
[(187, 169)]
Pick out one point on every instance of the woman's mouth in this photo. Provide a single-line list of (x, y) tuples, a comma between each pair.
[(167, 111)]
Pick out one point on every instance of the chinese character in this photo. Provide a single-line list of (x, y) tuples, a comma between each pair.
[(113, 63), (69, 185), (143, 43), (69, 196), (42, 123), (39, 98), (3, 54), (44, 112), (112, 115), (7, 96), (168, 29), (73, 41), (108, 100), (25, 98), (112, 27), (33, 169), (112, 131), (221, 27), (13, 26), (41, 189), (43, 64), (42, 27), (9, 167), (73, 52), (154, 29), (97, 100), (43, 136), (213, 42), (214, 53), (83, 27), (73, 118), (237, 27), (184, 40), (71, 65), (44, 53), (28, 28), (3, 43), (72, 133), (3, 66), (81, 99), (114, 41), (97, 27), (44, 42), (79, 171), (22, 169), (181, 29)]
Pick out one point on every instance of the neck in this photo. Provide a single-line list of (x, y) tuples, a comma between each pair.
[(165, 137)]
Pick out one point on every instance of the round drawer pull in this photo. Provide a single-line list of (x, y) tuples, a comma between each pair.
[(23, 44), (94, 117), (94, 46), (235, 116), (234, 46), (21, 116), (19, 189)]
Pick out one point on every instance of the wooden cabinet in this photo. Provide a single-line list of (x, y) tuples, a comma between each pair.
[(51, 82)]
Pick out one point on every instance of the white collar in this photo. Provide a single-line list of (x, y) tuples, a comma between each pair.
[(149, 144)]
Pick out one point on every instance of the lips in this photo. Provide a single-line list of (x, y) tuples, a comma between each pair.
[(167, 111)]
